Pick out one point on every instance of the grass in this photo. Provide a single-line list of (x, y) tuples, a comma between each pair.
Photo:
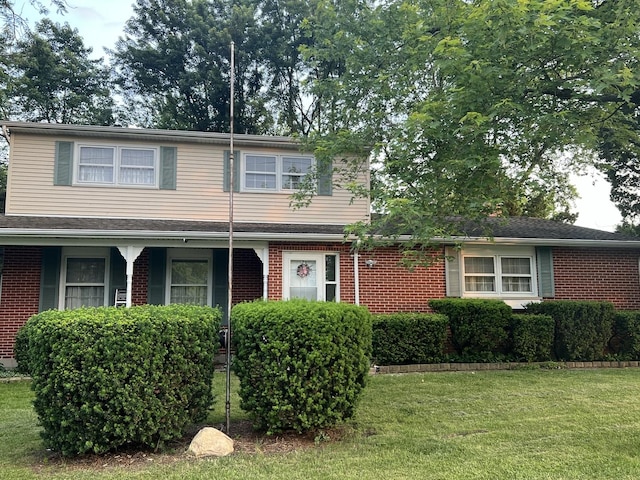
[(528, 424)]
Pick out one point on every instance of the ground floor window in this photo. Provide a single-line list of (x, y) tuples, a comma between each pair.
[(189, 279), (84, 275), (501, 272), (313, 276)]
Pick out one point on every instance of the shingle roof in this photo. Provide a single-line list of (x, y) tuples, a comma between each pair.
[(523, 229)]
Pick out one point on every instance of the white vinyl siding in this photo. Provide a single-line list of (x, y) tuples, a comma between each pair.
[(199, 194)]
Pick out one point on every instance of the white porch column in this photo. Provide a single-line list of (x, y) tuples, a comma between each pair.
[(130, 254)]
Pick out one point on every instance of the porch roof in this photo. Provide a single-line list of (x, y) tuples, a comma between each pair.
[(20, 229)]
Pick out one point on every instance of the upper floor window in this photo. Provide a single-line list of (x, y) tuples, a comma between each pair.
[(275, 172), (111, 165)]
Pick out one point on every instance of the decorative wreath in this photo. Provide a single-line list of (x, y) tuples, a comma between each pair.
[(303, 270)]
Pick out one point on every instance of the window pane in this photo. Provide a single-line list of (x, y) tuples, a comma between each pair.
[(516, 284), (189, 272), (260, 163), (330, 292), (478, 265), (254, 180), (193, 295), (297, 165), (330, 268), (479, 284), (189, 281), (303, 279), (96, 165), (85, 270), (137, 167), (76, 297), (516, 266)]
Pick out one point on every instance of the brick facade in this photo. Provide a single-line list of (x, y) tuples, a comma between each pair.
[(598, 274), (580, 274), (387, 287), (20, 293)]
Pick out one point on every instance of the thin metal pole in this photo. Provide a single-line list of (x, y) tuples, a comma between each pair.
[(230, 273)]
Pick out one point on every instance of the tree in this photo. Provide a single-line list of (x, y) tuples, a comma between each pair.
[(175, 56), (11, 21), (477, 108), (53, 80)]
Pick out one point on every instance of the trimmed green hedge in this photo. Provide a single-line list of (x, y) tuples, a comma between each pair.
[(108, 377), (479, 327), (302, 365), (406, 338), (625, 342), (582, 329), (532, 337)]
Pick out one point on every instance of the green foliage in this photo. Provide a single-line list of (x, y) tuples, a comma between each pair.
[(532, 337), (625, 342), (479, 328), (54, 80), (302, 365), (109, 377), (408, 338), (582, 329)]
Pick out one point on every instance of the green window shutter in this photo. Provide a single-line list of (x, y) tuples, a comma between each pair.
[(452, 272), (236, 170), (325, 178), (50, 278), (544, 259), (117, 274), (63, 169), (220, 280), (157, 276), (168, 167)]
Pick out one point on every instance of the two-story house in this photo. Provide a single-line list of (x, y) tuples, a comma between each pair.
[(105, 215)]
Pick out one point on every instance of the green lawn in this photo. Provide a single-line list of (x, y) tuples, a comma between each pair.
[(527, 424)]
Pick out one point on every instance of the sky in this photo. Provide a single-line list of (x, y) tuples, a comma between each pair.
[(101, 22)]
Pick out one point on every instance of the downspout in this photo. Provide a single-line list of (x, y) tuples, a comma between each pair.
[(356, 276)]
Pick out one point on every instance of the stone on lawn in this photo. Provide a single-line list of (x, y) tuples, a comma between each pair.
[(210, 442)]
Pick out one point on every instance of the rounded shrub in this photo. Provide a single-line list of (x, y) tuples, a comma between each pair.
[(302, 365), (532, 337), (108, 377)]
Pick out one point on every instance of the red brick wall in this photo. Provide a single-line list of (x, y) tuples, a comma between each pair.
[(385, 288), (247, 275), (139, 288), (598, 274), (20, 293)]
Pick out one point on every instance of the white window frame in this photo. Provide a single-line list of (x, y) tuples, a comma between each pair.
[(497, 254), (117, 166), (189, 254), (83, 253), (280, 187), (320, 259)]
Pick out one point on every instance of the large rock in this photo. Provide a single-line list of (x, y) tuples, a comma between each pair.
[(210, 442)]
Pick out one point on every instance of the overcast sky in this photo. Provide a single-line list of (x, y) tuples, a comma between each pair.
[(100, 23)]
